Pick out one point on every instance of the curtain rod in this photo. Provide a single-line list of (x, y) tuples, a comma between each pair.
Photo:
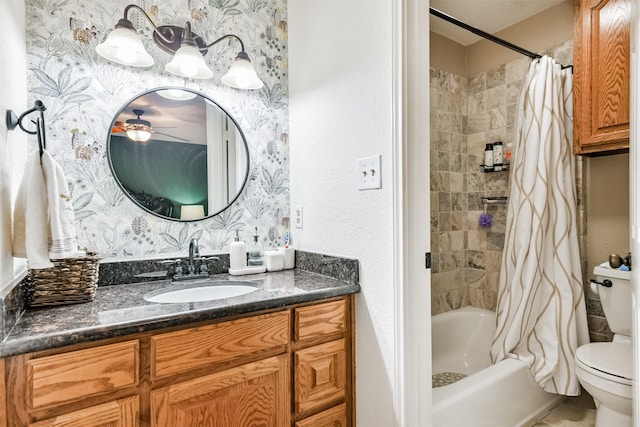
[(487, 36)]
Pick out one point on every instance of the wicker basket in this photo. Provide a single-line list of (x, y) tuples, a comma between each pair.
[(69, 281)]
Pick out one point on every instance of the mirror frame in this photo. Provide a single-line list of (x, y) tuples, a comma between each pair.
[(130, 196)]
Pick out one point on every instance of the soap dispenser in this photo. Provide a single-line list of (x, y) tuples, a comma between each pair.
[(237, 254), (256, 253)]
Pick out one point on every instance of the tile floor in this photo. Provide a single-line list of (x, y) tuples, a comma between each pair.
[(576, 411)]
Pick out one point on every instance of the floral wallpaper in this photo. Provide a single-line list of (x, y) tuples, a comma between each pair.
[(83, 92)]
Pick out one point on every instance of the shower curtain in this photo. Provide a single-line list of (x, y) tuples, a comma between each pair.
[(541, 315)]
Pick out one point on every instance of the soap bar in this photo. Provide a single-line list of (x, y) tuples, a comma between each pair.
[(274, 260)]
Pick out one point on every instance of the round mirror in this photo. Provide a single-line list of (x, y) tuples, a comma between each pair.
[(178, 154)]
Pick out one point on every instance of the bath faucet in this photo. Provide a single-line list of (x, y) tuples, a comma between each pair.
[(194, 251), (194, 254)]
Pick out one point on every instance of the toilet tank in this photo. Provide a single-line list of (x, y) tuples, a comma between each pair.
[(616, 300)]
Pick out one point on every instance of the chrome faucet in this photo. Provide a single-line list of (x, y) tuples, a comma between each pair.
[(194, 252)]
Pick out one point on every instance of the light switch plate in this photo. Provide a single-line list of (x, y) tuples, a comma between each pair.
[(297, 216), (369, 177)]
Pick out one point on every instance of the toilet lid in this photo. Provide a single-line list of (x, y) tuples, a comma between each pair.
[(612, 358)]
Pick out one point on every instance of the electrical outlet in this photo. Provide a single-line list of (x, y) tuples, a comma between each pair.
[(369, 176), (297, 216)]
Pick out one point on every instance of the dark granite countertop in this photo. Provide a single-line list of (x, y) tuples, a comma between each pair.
[(119, 310)]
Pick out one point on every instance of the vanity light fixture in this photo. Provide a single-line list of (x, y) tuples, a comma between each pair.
[(124, 46)]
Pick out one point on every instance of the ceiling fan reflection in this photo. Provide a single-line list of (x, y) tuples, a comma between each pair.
[(139, 130)]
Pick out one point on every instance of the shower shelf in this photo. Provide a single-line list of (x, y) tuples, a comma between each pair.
[(501, 200), (505, 168)]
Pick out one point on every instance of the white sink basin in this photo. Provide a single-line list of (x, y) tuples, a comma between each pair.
[(207, 290)]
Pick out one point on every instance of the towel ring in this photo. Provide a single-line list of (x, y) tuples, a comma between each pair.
[(14, 121)]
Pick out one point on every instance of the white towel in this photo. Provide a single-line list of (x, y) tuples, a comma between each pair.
[(43, 218), (62, 235), (30, 229)]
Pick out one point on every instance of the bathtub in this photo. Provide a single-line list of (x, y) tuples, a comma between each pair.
[(500, 395)]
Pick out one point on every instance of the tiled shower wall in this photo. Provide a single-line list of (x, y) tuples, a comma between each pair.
[(448, 109), (467, 113)]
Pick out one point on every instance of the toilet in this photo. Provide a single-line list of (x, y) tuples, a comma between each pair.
[(605, 369)]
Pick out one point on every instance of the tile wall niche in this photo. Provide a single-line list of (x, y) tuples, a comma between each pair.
[(467, 113)]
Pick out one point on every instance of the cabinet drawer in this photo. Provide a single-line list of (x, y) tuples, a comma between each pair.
[(194, 348), (119, 413), (320, 319), (77, 374), (334, 417), (320, 375)]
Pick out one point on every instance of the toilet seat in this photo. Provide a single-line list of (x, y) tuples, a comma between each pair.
[(608, 360)]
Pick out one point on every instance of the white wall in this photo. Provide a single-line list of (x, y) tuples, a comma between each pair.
[(340, 80), (13, 144)]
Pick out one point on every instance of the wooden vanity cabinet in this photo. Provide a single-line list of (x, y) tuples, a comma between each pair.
[(283, 368), (602, 34)]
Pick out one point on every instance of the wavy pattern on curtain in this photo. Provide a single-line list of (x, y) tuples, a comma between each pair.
[(541, 315)]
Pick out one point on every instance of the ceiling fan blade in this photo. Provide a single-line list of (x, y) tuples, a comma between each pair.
[(171, 136), (118, 127)]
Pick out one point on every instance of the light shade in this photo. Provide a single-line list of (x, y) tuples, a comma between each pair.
[(139, 135), (176, 94), (242, 75), (191, 212), (123, 45), (188, 62)]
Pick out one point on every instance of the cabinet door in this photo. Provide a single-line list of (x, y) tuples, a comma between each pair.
[(255, 394), (320, 376), (602, 75), (119, 413)]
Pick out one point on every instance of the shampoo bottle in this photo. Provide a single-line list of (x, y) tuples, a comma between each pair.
[(256, 253), (488, 158), (498, 156), (237, 254)]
